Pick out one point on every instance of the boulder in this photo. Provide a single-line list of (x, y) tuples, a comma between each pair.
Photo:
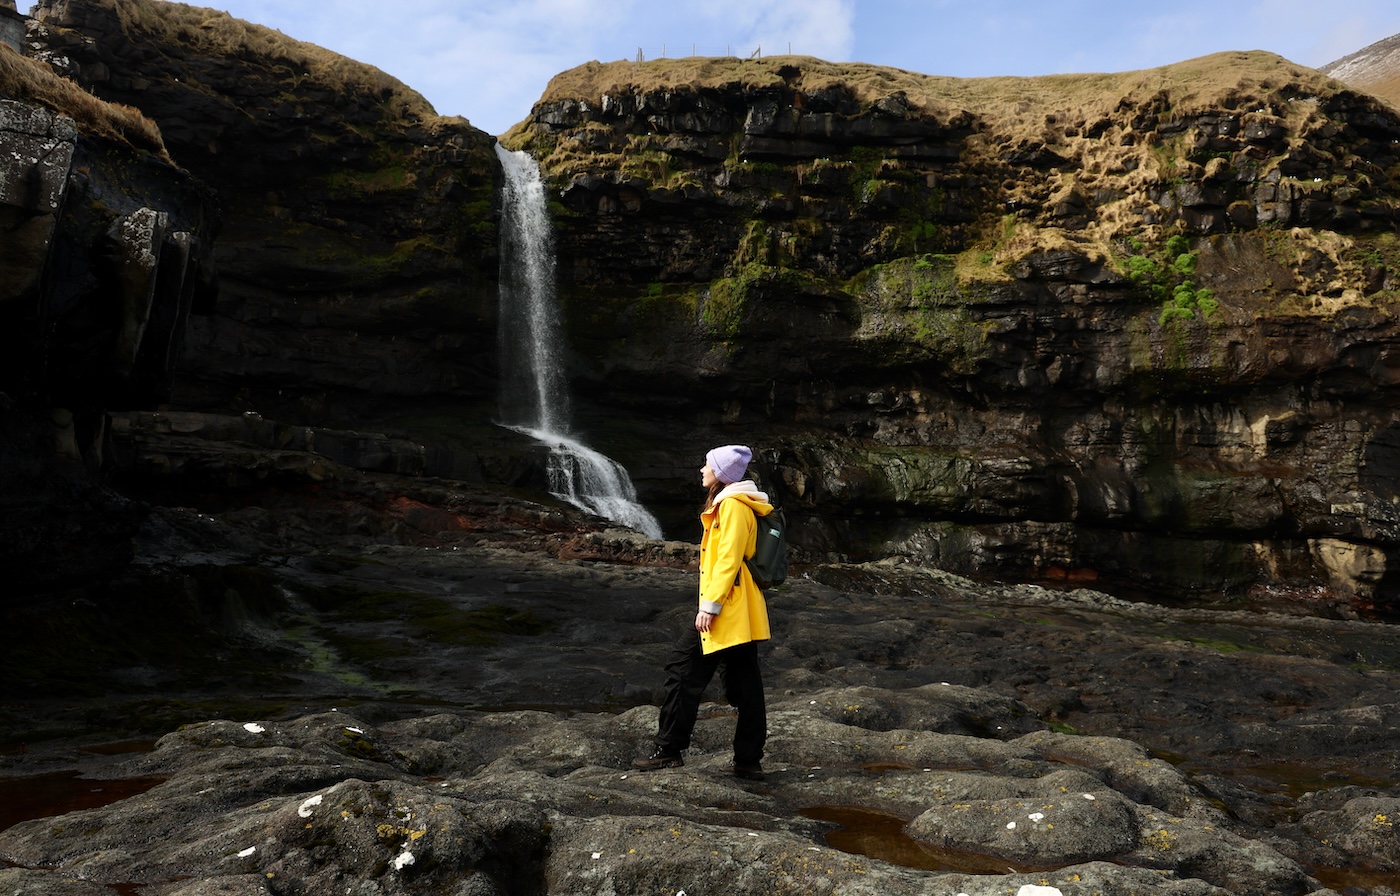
[(1361, 831), (1047, 828)]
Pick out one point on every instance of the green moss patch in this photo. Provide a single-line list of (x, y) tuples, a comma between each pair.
[(724, 309), (435, 619), (920, 300)]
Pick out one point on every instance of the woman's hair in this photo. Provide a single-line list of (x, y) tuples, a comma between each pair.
[(714, 490)]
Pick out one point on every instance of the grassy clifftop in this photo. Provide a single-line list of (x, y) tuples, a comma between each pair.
[(1016, 106), (1100, 165), (214, 34), (33, 82)]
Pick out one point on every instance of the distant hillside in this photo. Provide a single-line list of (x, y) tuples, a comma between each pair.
[(1375, 69)]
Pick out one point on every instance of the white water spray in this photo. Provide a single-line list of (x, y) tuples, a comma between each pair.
[(534, 396)]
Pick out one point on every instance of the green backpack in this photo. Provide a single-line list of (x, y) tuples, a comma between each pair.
[(768, 565)]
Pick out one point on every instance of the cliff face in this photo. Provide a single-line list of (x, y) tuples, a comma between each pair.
[(1127, 328), (107, 251), (1136, 329), (358, 259)]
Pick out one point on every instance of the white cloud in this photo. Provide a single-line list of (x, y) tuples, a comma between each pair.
[(824, 28), (496, 62)]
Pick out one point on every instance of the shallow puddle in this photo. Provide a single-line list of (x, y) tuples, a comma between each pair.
[(42, 796), (1345, 880), (1291, 778), (878, 835), (121, 748)]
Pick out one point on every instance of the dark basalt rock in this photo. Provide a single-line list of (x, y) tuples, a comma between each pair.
[(899, 691), (359, 252), (376, 665), (109, 250)]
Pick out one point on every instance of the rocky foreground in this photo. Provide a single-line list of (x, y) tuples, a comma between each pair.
[(458, 717)]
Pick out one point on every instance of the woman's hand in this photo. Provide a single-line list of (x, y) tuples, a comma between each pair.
[(703, 621)]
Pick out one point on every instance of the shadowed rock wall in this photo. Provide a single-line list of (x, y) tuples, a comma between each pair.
[(358, 260), (107, 250)]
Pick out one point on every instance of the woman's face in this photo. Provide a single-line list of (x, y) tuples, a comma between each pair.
[(707, 476)]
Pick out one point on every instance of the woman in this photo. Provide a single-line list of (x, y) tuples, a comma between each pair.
[(732, 618)]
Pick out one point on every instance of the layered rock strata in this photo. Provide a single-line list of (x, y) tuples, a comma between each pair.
[(1127, 328)]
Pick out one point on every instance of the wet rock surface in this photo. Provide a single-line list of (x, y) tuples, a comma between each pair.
[(454, 712)]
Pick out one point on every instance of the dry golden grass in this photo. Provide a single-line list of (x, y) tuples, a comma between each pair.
[(1129, 135), (1387, 88), (1086, 118), (1193, 84), (31, 81), (215, 34)]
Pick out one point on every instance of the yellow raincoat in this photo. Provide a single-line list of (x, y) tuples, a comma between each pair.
[(726, 586)]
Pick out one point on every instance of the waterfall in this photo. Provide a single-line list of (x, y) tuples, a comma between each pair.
[(534, 393)]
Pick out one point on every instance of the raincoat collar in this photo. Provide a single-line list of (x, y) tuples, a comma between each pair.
[(744, 489)]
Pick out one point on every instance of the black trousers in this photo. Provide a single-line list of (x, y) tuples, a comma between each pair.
[(688, 673)]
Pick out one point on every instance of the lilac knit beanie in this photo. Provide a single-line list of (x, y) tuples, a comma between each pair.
[(729, 462)]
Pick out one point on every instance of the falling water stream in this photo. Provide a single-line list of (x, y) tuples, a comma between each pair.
[(534, 392)]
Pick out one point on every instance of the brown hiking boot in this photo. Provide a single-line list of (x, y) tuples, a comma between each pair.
[(659, 758)]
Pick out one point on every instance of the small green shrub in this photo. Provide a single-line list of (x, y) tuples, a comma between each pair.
[(1186, 301), (723, 308), (1166, 278)]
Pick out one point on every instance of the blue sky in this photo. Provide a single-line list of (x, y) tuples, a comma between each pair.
[(490, 61)]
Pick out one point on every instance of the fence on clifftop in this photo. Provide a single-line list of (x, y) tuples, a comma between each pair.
[(668, 51)]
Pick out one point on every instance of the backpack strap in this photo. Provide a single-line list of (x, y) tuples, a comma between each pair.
[(738, 576)]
